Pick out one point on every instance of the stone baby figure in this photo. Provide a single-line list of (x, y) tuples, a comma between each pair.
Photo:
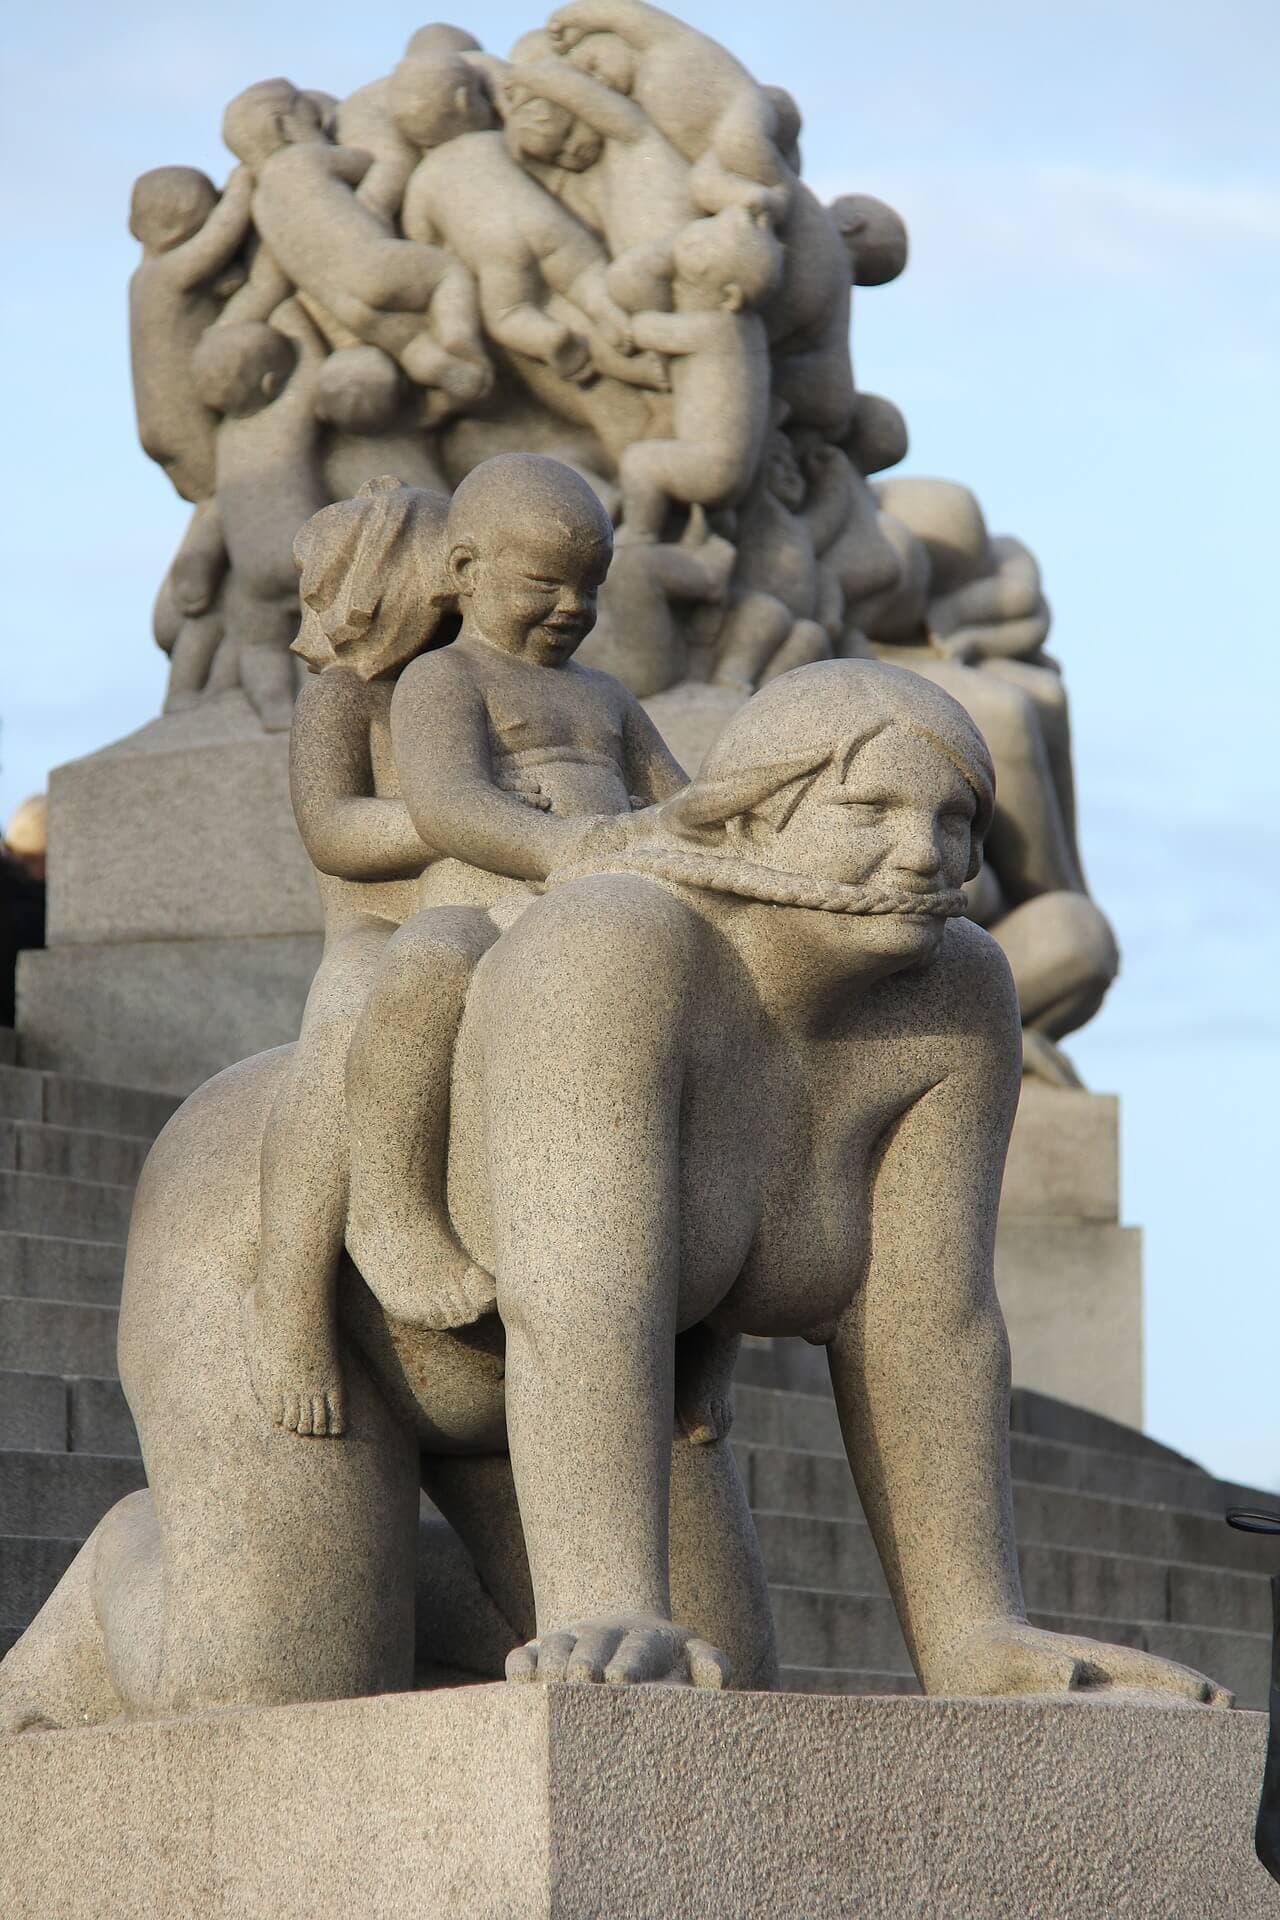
[(722, 267), (189, 235), (510, 756), (262, 380), (372, 578)]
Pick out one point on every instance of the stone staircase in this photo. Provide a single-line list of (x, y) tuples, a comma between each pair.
[(1120, 1537)]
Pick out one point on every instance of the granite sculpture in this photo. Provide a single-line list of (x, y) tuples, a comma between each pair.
[(662, 1063), (600, 248)]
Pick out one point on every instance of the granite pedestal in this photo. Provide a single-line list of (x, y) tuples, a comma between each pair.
[(504, 1803)]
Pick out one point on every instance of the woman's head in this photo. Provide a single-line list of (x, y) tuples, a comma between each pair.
[(853, 774), (374, 578)]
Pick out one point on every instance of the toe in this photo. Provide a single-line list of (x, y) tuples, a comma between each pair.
[(708, 1667), (554, 1653), (640, 1657), (522, 1662), (591, 1656)]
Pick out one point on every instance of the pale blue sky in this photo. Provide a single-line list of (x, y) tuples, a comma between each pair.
[(1087, 334)]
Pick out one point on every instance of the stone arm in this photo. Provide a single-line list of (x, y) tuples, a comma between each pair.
[(266, 286), (300, 389), (346, 830), (207, 252), (830, 609), (653, 772), (920, 1359), (634, 21), (829, 500), (670, 332), (587, 98), (349, 164), (440, 737)]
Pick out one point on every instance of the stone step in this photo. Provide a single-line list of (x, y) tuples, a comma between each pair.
[(61, 1495), (820, 1629), (62, 1100), (57, 1336), (786, 1480), (40, 1266), (806, 1421), (48, 1413), (839, 1556), (82, 1209), (30, 1567), (76, 1153)]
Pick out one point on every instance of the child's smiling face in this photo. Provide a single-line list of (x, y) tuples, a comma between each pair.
[(535, 594)]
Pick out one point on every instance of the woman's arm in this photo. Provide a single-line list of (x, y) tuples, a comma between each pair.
[(920, 1363), (345, 828)]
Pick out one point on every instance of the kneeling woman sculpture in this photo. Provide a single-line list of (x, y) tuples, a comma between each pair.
[(751, 1074)]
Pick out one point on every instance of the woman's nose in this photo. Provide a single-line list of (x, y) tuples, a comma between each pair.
[(917, 849)]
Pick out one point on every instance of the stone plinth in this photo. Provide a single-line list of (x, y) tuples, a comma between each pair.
[(1069, 1275), (184, 922), (503, 1803)]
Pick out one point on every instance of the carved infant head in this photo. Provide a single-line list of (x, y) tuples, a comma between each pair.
[(169, 205), (732, 258), (435, 100), (267, 116), (241, 367), (529, 548)]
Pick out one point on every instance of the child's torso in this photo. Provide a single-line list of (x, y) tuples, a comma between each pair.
[(556, 730)]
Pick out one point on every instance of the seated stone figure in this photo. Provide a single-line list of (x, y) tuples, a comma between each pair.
[(373, 594), (751, 1072), (967, 613), (506, 751)]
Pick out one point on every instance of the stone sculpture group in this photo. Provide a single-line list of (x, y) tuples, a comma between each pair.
[(600, 248), (604, 1067)]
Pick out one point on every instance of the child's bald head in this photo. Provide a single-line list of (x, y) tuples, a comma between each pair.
[(530, 498), (529, 546), (169, 205)]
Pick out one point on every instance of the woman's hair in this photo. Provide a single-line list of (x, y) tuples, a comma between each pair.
[(373, 577), (770, 754)]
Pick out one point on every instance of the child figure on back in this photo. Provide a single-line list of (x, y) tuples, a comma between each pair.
[(372, 595), (508, 753)]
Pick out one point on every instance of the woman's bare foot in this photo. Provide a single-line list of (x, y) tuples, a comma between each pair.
[(294, 1367), (621, 1650), (1006, 1657)]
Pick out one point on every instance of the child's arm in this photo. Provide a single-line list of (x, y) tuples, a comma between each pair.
[(634, 21), (669, 332), (206, 253), (440, 736), (345, 828), (830, 494), (299, 394), (349, 164), (652, 770), (582, 95), (266, 286)]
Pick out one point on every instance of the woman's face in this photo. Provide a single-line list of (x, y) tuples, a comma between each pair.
[(899, 825)]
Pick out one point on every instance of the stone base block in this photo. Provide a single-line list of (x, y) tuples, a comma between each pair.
[(182, 831), (1072, 1297), (162, 1013), (1064, 1156), (503, 1803)]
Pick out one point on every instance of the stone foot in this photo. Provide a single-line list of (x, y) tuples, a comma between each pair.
[(294, 1368), (620, 1650)]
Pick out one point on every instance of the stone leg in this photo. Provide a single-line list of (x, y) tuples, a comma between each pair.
[(290, 1325), (398, 1073)]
